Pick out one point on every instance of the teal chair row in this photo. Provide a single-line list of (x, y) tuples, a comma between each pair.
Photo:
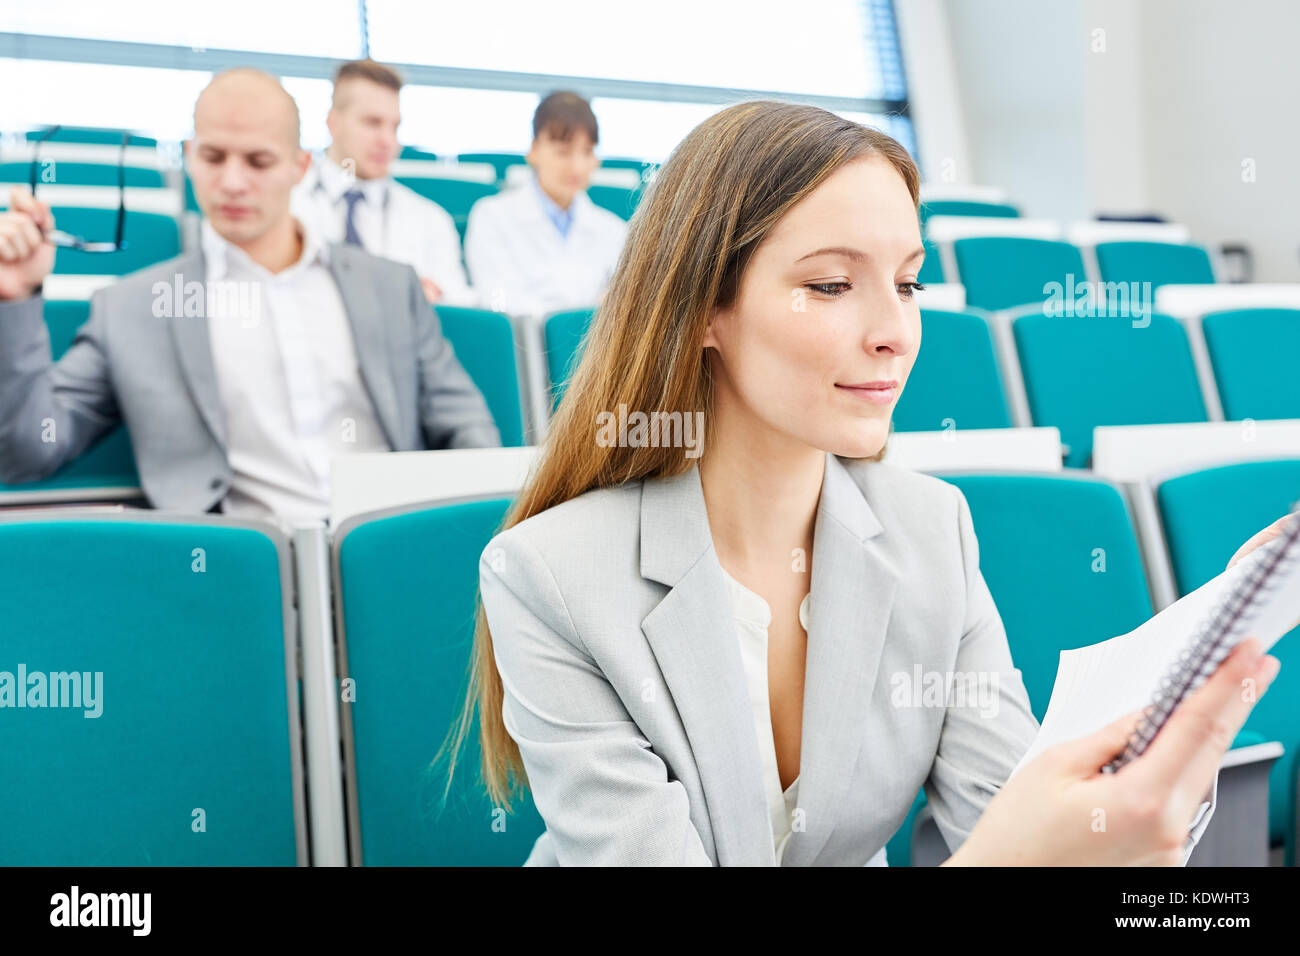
[(1059, 555), (1206, 516), (106, 467), (965, 207), (67, 173), (162, 720), (91, 135), (1002, 272), (1062, 559)]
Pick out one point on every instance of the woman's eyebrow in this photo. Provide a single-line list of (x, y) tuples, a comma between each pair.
[(857, 255)]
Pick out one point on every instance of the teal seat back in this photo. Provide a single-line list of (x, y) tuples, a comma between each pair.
[(1061, 559), (150, 238), (1083, 372), (640, 165), (619, 200), (955, 381), (1157, 263), (110, 462), (1253, 353), (1001, 272), (932, 268), (485, 345), (1207, 516), (414, 152), (966, 207), (501, 162), (67, 173), (563, 335), (191, 760), (408, 587), (457, 196), (92, 135)]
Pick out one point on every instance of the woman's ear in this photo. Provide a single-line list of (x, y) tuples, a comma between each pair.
[(710, 330)]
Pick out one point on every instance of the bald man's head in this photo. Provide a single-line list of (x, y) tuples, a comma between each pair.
[(245, 88), (244, 159)]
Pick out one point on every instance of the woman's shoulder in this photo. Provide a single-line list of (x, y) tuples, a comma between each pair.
[(593, 523)]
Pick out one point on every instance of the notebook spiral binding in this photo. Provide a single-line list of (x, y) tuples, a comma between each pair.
[(1226, 626)]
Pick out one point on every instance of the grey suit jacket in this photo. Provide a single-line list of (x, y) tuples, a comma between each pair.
[(625, 692), (157, 375)]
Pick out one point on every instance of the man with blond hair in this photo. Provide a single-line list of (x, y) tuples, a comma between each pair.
[(350, 196)]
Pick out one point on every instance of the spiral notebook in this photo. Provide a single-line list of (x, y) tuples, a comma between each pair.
[(1155, 666)]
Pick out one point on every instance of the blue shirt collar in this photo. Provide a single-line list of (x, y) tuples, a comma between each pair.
[(562, 219)]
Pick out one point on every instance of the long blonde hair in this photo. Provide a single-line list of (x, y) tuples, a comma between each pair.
[(710, 206)]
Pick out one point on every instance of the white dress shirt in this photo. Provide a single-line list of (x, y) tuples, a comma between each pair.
[(288, 379), (392, 221), (752, 617), (521, 263)]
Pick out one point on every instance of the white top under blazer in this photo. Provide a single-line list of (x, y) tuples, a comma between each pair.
[(753, 616)]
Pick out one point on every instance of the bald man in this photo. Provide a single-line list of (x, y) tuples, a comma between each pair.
[(242, 368)]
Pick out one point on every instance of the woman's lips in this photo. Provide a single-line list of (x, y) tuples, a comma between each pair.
[(878, 393)]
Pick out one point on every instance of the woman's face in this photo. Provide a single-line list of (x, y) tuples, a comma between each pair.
[(824, 330)]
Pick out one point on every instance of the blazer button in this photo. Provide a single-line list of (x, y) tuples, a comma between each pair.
[(216, 483)]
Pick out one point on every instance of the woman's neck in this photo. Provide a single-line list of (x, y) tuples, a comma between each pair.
[(761, 490)]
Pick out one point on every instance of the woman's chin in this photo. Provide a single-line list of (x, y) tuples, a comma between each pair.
[(864, 441)]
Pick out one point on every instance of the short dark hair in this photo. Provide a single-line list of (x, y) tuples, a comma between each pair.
[(561, 114), (367, 70)]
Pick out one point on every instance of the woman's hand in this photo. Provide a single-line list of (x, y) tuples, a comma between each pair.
[(1268, 534), (1061, 810)]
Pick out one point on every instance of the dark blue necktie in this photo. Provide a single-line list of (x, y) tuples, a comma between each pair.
[(350, 235)]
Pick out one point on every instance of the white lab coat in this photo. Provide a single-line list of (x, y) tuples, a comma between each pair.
[(393, 221), (519, 262)]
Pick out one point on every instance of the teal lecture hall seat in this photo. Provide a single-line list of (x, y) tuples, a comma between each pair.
[(1254, 354), (966, 207), (619, 200), (1081, 372), (1243, 498), (1001, 272), (406, 586), (457, 196), (955, 377), (193, 757), (67, 173), (484, 343), (563, 336), (1159, 263), (109, 462), (90, 135), (1039, 537), (500, 162)]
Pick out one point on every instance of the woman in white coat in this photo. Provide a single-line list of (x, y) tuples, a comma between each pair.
[(543, 246), (689, 657)]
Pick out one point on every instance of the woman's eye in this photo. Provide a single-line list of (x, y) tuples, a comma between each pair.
[(908, 289), (829, 288)]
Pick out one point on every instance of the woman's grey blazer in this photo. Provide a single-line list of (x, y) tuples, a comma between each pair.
[(625, 692)]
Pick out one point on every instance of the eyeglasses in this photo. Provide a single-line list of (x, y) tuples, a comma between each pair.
[(67, 240)]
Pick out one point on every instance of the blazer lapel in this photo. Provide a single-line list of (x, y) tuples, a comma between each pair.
[(692, 636), (194, 350), (367, 321), (852, 595)]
